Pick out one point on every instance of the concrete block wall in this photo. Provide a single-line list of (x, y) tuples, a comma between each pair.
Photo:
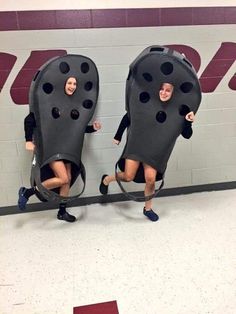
[(208, 157)]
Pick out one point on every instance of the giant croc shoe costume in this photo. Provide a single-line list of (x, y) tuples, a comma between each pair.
[(61, 120), (155, 125)]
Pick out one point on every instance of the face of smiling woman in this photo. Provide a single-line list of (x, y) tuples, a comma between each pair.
[(166, 91), (70, 86)]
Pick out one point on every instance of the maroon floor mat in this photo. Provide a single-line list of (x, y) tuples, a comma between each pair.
[(99, 308)]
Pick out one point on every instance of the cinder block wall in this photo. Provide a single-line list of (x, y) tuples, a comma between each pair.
[(209, 157)]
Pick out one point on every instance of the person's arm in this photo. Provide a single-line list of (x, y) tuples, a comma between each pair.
[(29, 125), (187, 130), (93, 128), (125, 122)]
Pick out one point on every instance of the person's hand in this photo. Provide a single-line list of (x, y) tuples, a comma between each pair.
[(190, 116), (116, 142), (29, 146), (97, 125)]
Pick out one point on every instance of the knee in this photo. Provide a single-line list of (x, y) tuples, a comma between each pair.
[(128, 177), (150, 181), (65, 180)]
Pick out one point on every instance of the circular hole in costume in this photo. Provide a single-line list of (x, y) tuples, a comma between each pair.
[(74, 114), (88, 86), (47, 88), (161, 116), (167, 68), (55, 112), (64, 67), (84, 67), (144, 97), (183, 110), (147, 77), (186, 87), (87, 104)]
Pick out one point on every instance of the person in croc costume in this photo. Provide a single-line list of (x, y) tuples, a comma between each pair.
[(59, 170), (154, 119)]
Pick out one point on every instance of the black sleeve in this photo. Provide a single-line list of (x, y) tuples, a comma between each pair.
[(29, 125), (125, 122), (187, 130), (90, 129)]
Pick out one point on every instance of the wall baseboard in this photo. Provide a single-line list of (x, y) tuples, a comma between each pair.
[(120, 197)]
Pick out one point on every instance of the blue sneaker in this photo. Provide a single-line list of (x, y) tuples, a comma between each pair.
[(22, 200), (150, 214)]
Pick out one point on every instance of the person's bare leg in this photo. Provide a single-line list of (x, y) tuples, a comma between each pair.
[(150, 178), (60, 179), (131, 167), (65, 188), (62, 171), (59, 169)]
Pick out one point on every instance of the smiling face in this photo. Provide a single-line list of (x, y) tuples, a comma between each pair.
[(166, 91), (70, 86)]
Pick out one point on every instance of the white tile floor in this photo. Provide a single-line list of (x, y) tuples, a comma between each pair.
[(182, 264)]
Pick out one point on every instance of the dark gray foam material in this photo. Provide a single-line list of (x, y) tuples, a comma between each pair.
[(156, 125), (61, 120)]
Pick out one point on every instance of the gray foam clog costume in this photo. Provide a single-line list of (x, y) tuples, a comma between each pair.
[(154, 125), (61, 120)]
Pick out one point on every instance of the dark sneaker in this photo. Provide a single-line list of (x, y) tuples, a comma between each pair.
[(22, 200), (66, 216), (150, 214), (103, 188)]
